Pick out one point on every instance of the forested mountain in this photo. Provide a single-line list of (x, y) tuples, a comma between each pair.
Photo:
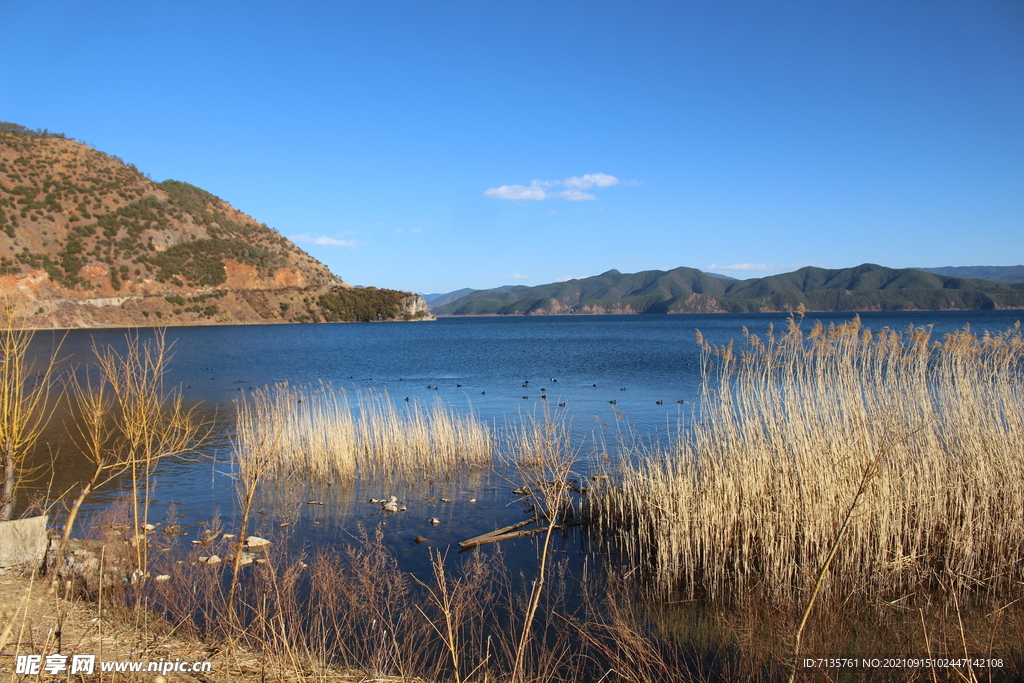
[(1007, 274), (866, 287)]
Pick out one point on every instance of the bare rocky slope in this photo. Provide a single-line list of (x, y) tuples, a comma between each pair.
[(89, 241)]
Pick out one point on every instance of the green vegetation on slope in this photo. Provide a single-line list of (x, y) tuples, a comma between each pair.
[(202, 261), (10, 127), (367, 304)]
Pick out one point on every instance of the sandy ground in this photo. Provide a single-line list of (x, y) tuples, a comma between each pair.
[(35, 620)]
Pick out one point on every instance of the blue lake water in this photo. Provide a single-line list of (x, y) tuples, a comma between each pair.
[(479, 364)]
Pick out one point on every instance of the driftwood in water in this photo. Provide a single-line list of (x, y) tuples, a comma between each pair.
[(497, 534), (510, 532)]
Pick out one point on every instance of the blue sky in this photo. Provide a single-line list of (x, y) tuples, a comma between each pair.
[(429, 146)]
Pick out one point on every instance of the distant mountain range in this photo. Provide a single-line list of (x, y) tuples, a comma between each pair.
[(442, 299), (1007, 274), (867, 287)]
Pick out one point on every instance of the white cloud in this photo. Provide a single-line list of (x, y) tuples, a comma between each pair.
[(323, 241), (552, 212), (516, 192), (539, 190), (570, 277), (591, 180), (331, 242), (417, 229), (396, 230), (575, 196), (517, 276)]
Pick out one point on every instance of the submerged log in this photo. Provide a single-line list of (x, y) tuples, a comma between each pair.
[(512, 531), (497, 534), (484, 540)]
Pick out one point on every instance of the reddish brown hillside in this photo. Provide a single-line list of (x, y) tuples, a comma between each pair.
[(87, 240)]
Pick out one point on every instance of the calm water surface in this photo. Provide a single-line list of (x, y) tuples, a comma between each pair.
[(479, 364)]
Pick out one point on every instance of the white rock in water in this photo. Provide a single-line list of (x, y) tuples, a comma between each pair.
[(214, 559), (256, 542), (391, 507), (163, 577), (434, 520), (228, 537)]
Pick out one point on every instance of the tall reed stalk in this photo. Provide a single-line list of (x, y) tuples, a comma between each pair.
[(755, 491), (542, 451)]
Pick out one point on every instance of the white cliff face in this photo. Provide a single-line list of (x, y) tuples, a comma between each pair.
[(414, 307)]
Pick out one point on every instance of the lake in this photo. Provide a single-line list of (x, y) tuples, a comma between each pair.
[(620, 377), (621, 381)]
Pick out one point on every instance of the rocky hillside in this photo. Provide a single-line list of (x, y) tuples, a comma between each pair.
[(87, 240), (867, 287)]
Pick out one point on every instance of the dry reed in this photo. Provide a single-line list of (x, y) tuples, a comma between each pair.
[(756, 490), (315, 434)]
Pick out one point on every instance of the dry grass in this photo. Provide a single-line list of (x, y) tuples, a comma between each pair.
[(353, 609), (349, 609), (755, 493), (317, 435)]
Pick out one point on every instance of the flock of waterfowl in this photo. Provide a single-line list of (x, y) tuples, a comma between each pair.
[(543, 394), (436, 387), (543, 390)]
